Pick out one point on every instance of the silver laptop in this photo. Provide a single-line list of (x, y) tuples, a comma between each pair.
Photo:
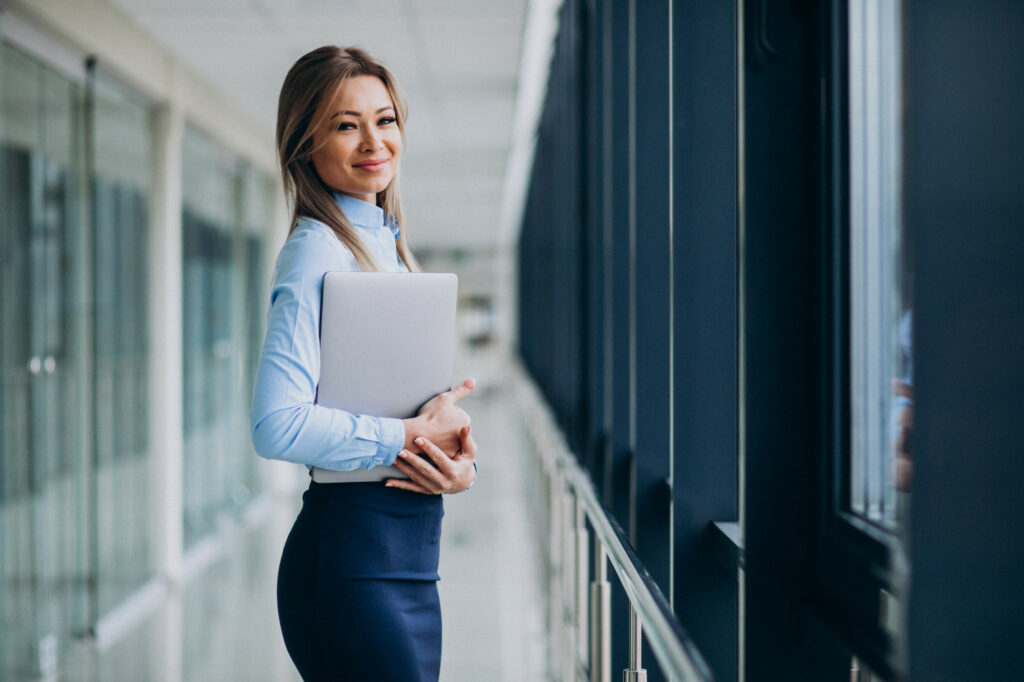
[(387, 341)]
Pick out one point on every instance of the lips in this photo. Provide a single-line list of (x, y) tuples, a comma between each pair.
[(372, 165)]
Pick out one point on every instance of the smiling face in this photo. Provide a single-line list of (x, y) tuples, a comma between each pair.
[(357, 151)]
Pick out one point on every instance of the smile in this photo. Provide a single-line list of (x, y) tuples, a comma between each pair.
[(373, 165)]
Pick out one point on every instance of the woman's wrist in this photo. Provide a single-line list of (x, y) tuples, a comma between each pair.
[(413, 430)]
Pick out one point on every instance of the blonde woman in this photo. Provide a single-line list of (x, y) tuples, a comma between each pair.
[(357, 593)]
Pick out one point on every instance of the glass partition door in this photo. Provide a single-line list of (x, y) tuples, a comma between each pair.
[(120, 162), (44, 444)]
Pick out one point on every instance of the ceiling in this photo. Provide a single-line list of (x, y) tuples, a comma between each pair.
[(457, 60)]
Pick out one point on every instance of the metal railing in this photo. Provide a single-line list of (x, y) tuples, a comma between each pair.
[(580, 613)]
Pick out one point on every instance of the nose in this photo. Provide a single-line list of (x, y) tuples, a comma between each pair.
[(371, 139)]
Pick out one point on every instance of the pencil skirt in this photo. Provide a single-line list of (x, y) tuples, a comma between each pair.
[(357, 585)]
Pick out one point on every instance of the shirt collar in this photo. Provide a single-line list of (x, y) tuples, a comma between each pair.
[(360, 212), (365, 214)]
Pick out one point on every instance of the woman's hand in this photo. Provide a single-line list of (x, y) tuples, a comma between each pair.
[(448, 475), (440, 421)]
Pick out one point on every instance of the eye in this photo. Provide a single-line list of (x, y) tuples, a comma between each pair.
[(345, 125), (387, 120)]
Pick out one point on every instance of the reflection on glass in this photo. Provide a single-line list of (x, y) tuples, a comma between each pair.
[(43, 553), (224, 222), (881, 378), (121, 162), (75, 523), (257, 212), (209, 219)]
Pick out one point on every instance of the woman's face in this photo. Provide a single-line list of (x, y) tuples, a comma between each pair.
[(361, 142)]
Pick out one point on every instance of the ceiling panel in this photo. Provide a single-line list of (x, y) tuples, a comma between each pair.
[(458, 61)]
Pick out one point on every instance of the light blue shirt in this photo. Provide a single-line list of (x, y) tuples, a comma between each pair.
[(286, 422)]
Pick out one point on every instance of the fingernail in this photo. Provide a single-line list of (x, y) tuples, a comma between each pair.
[(419, 441), (388, 485), (402, 454)]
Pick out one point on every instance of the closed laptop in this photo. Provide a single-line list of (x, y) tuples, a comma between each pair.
[(387, 344)]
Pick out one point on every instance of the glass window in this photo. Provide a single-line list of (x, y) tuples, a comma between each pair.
[(881, 376), (212, 387), (44, 592), (257, 214), (120, 185)]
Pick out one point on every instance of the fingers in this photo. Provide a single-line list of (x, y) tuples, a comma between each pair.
[(462, 390), (468, 444), (439, 456), (414, 480), (421, 472), (450, 476), (411, 486)]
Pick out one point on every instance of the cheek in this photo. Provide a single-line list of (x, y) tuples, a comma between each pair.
[(330, 159), (394, 141)]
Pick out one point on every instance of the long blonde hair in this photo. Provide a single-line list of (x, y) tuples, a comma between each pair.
[(320, 76)]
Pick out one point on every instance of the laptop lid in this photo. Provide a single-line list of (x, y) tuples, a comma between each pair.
[(387, 341)]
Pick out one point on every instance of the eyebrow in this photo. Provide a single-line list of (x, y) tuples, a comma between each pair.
[(357, 114)]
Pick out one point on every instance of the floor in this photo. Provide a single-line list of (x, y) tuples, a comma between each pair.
[(223, 626), (491, 588)]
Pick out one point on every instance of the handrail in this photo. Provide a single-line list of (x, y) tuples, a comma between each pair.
[(675, 651)]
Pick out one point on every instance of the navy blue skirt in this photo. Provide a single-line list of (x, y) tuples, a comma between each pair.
[(356, 588)]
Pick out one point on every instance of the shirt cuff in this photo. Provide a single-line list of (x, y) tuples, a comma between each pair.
[(392, 439)]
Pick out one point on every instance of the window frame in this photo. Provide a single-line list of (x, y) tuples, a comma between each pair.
[(806, 557), (855, 554)]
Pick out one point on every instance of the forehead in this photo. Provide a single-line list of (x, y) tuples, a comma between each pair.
[(363, 94)]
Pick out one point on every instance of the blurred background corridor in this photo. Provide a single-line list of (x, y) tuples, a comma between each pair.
[(142, 213), (739, 282)]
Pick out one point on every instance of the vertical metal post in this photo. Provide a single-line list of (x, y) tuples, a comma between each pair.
[(567, 608), (555, 619), (600, 618), (635, 672), (582, 578)]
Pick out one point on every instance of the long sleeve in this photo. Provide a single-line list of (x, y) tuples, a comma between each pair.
[(286, 423)]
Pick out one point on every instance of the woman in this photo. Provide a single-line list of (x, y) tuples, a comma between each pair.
[(357, 593)]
